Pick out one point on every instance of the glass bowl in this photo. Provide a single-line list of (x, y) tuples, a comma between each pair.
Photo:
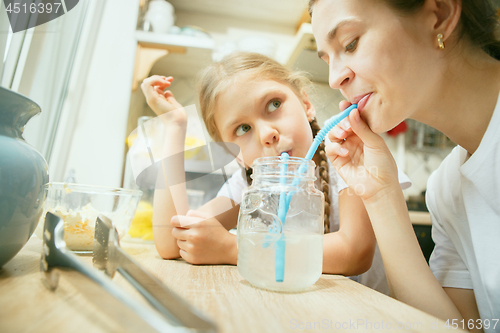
[(79, 205)]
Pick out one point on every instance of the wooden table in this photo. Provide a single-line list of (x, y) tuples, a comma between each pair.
[(334, 303)]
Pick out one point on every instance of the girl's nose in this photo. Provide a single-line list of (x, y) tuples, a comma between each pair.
[(339, 75), (269, 134)]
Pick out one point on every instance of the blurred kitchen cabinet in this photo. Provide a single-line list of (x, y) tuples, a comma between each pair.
[(423, 233), (422, 137), (422, 227)]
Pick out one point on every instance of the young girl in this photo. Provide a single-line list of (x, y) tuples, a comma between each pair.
[(253, 101), (436, 61)]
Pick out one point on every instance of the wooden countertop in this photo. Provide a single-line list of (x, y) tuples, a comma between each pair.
[(334, 303)]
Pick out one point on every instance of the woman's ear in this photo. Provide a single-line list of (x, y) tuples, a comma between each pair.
[(446, 14), (309, 108)]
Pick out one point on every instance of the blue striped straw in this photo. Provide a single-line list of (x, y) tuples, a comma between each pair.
[(329, 124), (279, 255)]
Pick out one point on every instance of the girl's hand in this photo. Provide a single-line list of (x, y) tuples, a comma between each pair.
[(361, 157), (163, 102), (203, 240)]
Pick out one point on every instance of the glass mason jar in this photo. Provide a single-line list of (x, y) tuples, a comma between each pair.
[(280, 226)]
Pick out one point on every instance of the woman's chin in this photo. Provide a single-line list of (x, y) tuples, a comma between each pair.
[(379, 127), (375, 126)]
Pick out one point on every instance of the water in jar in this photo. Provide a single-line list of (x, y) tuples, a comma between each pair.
[(303, 260), (260, 233)]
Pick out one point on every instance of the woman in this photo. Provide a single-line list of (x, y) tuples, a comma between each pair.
[(435, 61)]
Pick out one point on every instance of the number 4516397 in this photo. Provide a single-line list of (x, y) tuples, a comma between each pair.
[(32, 8)]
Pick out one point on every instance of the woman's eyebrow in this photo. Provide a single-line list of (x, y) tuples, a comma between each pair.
[(330, 36)]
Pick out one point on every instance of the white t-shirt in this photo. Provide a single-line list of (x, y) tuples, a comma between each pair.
[(463, 196), (375, 276)]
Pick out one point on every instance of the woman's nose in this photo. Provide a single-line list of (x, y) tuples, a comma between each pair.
[(269, 134), (339, 75)]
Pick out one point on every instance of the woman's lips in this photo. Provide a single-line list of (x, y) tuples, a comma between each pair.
[(362, 102)]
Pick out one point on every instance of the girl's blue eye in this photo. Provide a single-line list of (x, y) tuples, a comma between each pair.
[(273, 105), (352, 46), (242, 129)]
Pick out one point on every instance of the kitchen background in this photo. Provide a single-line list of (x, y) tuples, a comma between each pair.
[(84, 70)]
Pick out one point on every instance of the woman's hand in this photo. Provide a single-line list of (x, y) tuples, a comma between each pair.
[(204, 240), (163, 102), (361, 157)]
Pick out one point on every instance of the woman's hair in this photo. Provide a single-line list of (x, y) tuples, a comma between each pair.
[(478, 21), (217, 77)]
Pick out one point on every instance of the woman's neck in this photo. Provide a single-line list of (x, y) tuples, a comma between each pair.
[(463, 106)]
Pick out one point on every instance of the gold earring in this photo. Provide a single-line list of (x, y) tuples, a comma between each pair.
[(440, 41)]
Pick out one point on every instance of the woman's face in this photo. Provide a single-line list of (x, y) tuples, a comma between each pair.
[(388, 68), (264, 118)]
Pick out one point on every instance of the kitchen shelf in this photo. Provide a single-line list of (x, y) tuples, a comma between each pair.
[(263, 12), (161, 53), (170, 41), (303, 40), (304, 55)]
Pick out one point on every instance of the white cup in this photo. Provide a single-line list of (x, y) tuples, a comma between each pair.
[(160, 15)]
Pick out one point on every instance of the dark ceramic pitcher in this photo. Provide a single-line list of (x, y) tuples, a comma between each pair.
[(23, 175)]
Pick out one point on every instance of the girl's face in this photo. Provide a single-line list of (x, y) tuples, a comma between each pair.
[(264, 118), (385, 63)]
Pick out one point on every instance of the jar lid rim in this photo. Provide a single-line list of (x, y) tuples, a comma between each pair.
[(277, 159)]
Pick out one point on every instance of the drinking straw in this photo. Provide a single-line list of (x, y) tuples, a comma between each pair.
[(279, 254), (284, 202), (329, 124)]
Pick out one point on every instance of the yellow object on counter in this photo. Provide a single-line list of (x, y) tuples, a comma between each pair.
[(190, 145), (142, 224)]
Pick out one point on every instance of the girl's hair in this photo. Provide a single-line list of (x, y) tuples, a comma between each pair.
[(478, 21), (220, 75), (217, 77)]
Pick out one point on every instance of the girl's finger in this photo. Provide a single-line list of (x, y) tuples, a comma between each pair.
[(156, 80), (159, 90), (168, 94), (180, 233), (159, 78), (184, 255), (182, 244), (174, 221)]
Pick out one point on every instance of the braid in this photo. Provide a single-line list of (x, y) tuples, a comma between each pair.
[(323, 173), (247, 173)]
